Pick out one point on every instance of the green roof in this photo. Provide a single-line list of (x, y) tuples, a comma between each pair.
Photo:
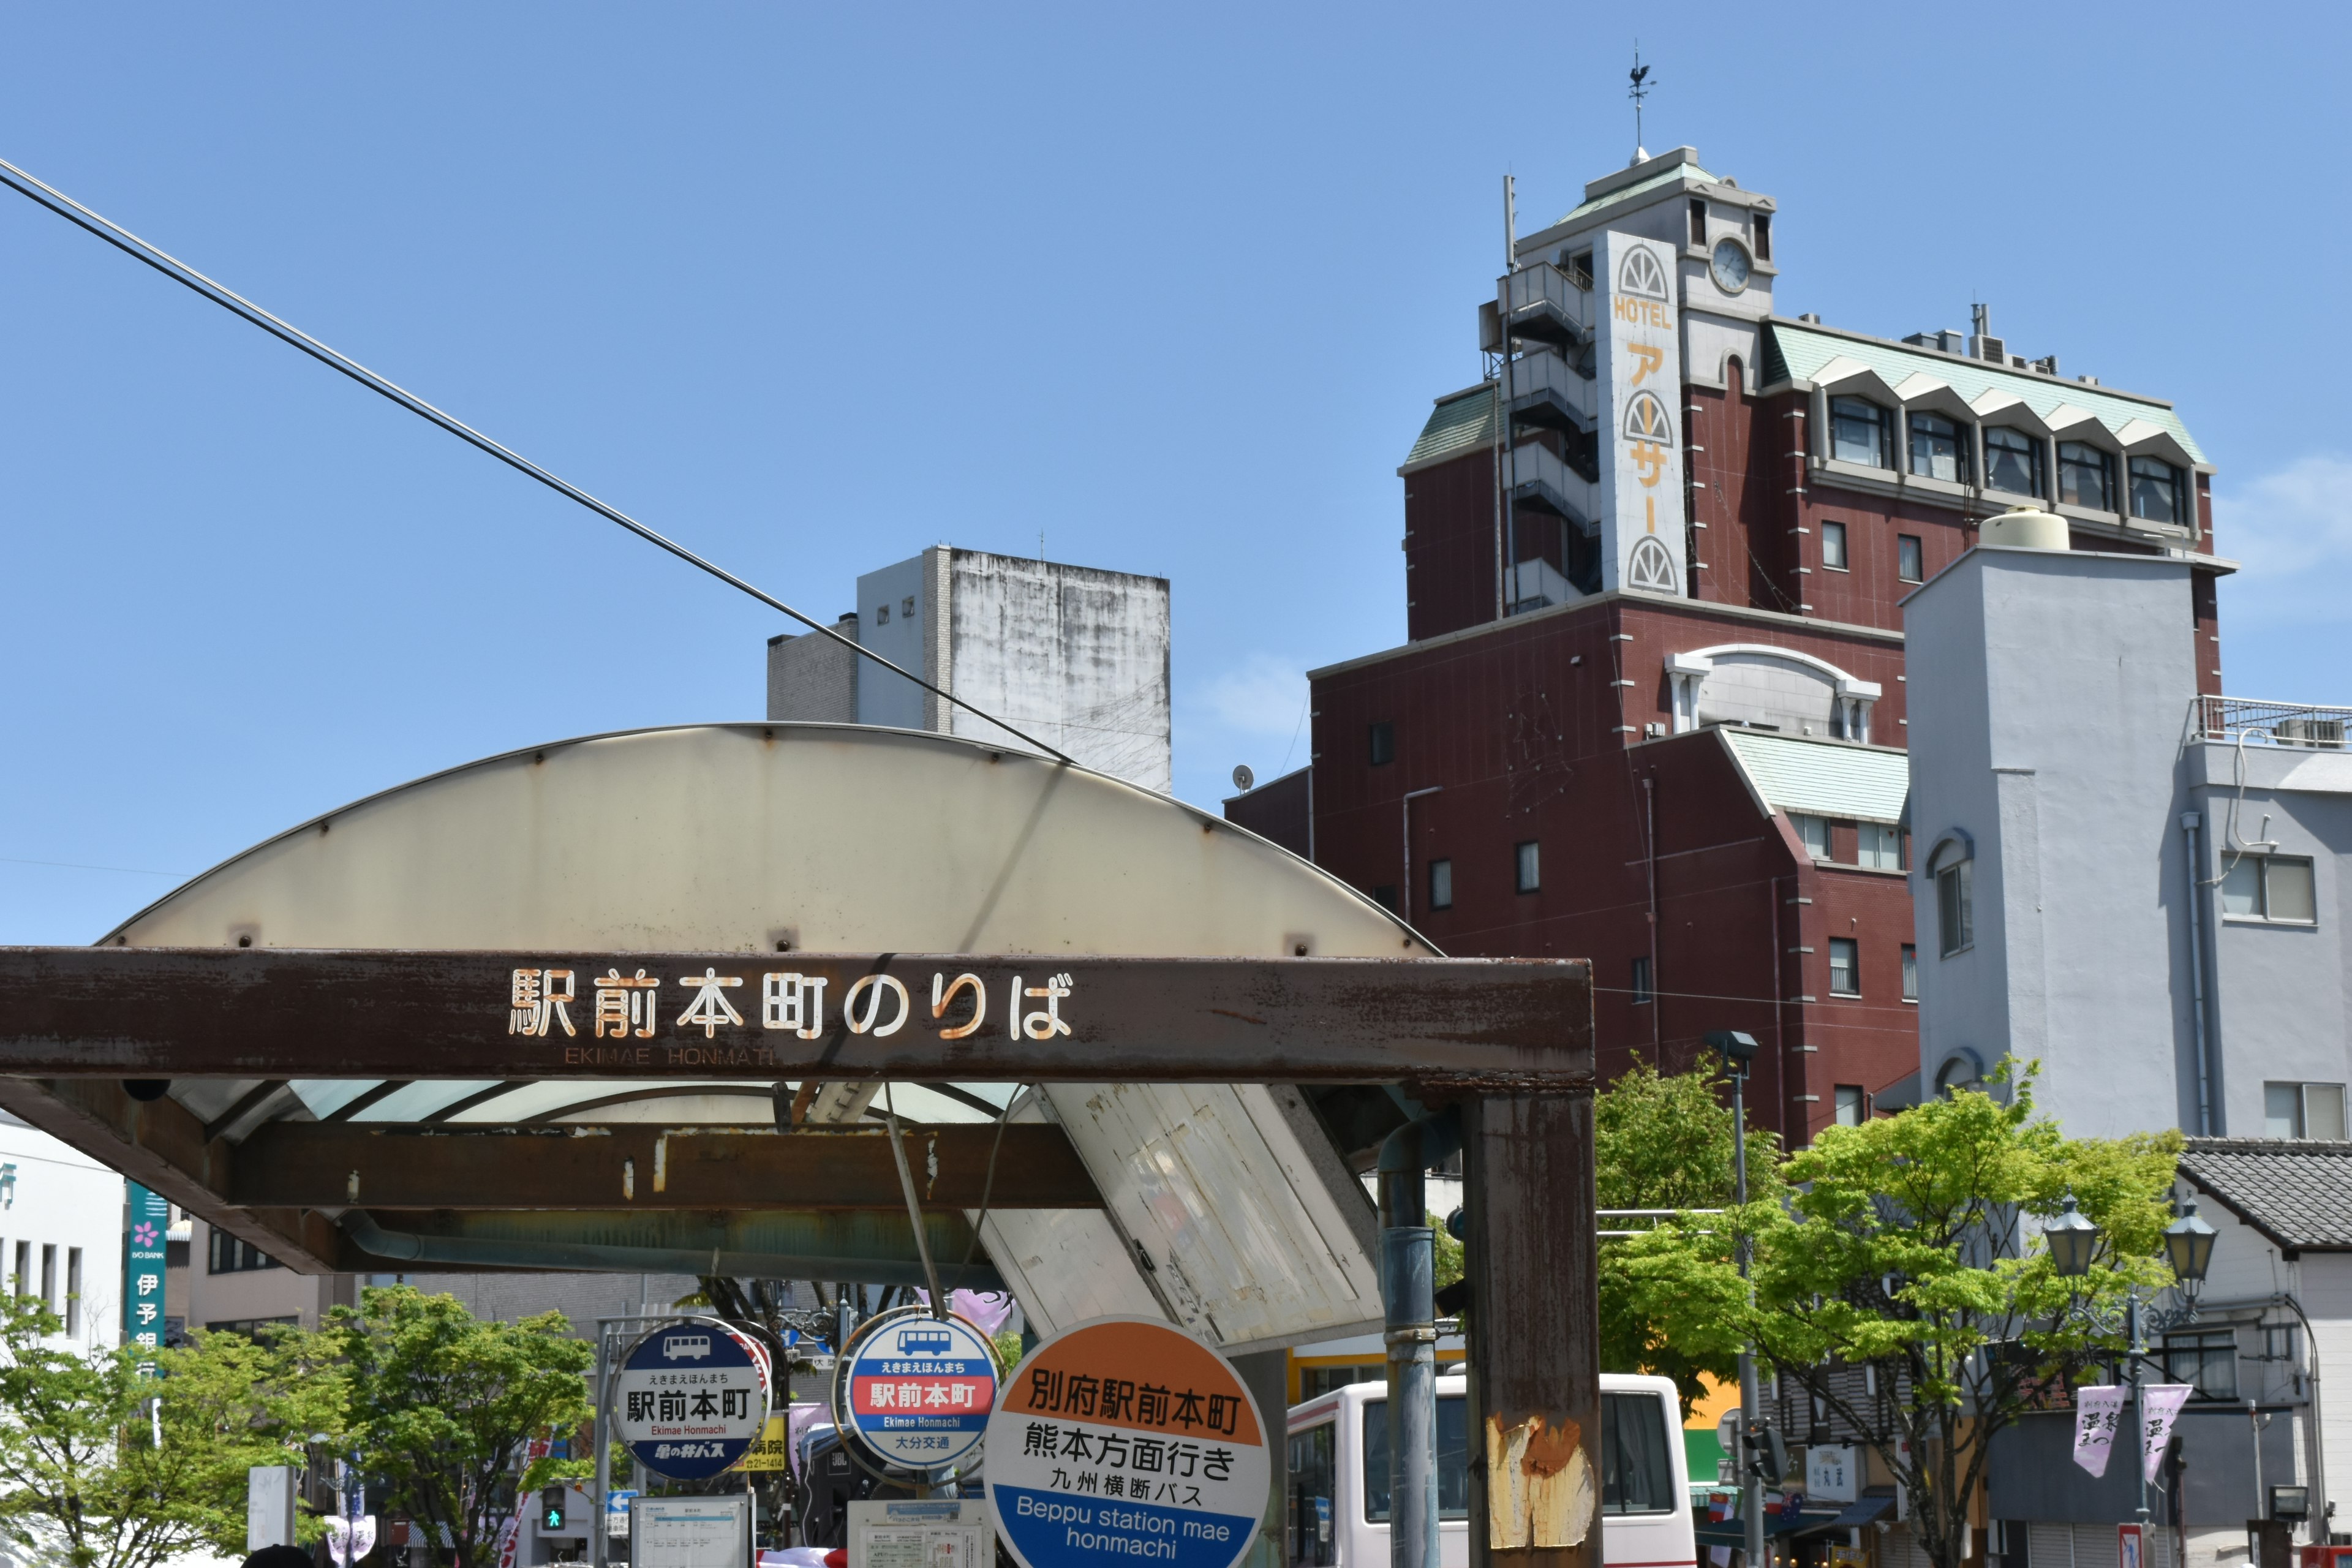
[(1823, 778), (1799, 354), (1464, 422), (1668, 177)]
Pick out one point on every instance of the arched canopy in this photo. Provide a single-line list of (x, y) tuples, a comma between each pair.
[(769, 838)]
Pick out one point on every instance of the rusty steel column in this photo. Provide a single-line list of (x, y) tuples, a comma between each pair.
[(1535, 1379)]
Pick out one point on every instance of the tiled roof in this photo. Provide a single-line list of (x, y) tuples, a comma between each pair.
[(2297, 1191), (1800, 353), (1677, 175), (1824, 778), (1462, 423)]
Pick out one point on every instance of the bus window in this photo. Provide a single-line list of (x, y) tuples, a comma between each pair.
[(1636, 1475), (1312, 1472), (1452, 1460)]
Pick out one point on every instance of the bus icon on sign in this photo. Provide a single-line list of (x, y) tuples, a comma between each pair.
[(925, 1342), (685, 1347)]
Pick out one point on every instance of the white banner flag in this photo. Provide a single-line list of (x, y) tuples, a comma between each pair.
[(349, 1540), (2096, 1411), (2161, 1407)]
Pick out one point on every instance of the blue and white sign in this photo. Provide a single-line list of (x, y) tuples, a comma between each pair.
[(919, 1389), (690, 1399)]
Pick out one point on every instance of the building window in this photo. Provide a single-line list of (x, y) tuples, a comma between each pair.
[(1441, 884), (2013, 462), (2086, 477), (1955, 920), (2156, 491), (1846, 966), (20, 1282), (1849, 1105), (1381, 743), (1385, 896), (1528, 867), (1860, 432), (881, 615), (73, 1292), (251, 1328), (1698, 222), (1910, 973), (1814, 832), (2207, 1360), (1910, 558), (1833, 546), (2269, 888), (1642, 991), (1763, 231), (1878, 845), (2304, 1111), (235, 1254), (49, 1277), (1937, 452)]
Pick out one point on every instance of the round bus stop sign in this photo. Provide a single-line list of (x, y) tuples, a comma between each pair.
[(1125, 1438), (920, 1388), (689, 1400)]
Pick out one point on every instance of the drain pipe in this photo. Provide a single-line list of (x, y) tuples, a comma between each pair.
[(1408, 1298), (2190, 822)]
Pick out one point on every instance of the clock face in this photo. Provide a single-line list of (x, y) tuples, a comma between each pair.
[(1729, 266)]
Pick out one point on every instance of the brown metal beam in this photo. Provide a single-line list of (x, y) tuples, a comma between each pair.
[(1485, 1024), (161, 1145), (646, 1166)]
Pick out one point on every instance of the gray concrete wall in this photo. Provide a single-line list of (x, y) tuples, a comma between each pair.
[(812, 678), (2048, 696), (582, 1298), (892, 606), (1078, 657)]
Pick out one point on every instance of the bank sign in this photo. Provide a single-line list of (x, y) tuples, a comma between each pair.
[(1643, 535), (1127, 1439), (143, 1246), (689, 1400)]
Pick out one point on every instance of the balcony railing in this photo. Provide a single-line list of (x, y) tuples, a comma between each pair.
[(2240, 720), (1547, 303)]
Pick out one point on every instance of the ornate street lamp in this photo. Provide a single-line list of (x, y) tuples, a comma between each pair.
[(2189, 1248), (2073, 1239)]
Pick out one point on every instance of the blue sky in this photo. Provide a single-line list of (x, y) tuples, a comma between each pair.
[(812, 289)]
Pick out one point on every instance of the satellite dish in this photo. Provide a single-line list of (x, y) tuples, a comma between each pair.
[(1243, 778)]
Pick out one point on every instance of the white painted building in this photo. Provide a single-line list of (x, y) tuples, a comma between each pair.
[(62, 1216), (2143, 886), (1075, 656)]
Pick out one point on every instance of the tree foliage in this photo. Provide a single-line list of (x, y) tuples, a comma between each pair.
[(1665, 1141), (1904, 1247), (440, 1404), (83, 1481)]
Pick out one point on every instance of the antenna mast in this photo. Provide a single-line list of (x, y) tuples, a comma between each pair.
[(1637, 92)]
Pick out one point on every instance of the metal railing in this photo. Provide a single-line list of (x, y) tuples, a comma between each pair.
[(2240, 721)]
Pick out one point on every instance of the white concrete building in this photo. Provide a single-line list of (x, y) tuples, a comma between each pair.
[(1074, 656), (61, 1232)]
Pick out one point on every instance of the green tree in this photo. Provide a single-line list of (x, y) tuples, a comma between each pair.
[(83, 1481), (441, 1404), (1665, 1141), (1904, 1249)]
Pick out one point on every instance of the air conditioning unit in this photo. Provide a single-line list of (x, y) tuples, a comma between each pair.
[(1991, 350), (2315, 732)]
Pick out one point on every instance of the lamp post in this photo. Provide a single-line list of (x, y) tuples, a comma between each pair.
[(1738, 1049), (2074, 1240)]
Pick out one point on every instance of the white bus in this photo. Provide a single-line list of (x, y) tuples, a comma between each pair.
[(1338, 1510)]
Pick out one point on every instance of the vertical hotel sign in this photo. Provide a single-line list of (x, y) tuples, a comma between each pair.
[(1642, 529), (142, 1269)]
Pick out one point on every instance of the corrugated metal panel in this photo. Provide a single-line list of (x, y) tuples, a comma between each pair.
[(1824, 778), (1457, 425), (1805, 352)]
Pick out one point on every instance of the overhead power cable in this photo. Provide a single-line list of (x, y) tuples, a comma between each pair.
[(237, 305)]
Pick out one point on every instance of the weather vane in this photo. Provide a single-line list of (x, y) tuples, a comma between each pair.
[(1637, 92)]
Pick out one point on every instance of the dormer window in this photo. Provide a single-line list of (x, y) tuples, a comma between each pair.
[(2086, 477), (2013, 462), (1936, 451), (1861, 432), (2156, 491)]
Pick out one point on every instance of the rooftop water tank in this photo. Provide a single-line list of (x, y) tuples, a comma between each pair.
[(2025, 528)]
